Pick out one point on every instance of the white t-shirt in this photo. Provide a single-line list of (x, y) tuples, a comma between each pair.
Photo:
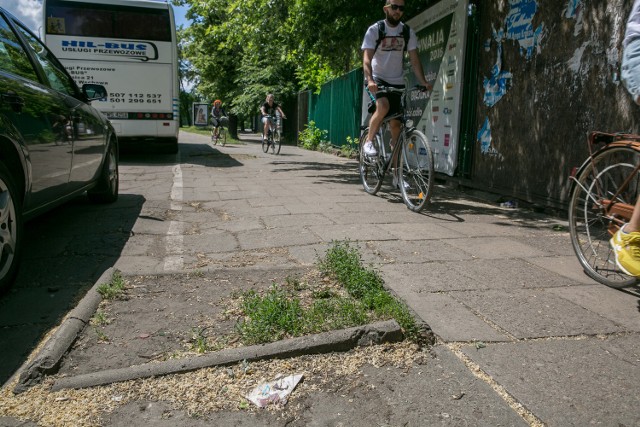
[(387, 61), (633, 24)]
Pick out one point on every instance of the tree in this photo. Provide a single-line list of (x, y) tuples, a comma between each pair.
[(240, 50)]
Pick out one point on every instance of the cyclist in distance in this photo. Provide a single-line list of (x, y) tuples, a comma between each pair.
[(383, 65), (626, 242), (217, 113), (269, 108)]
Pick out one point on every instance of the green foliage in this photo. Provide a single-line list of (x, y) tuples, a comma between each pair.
[(311, 137), (344, 264), (270, 317), (351, 148), (240, 50), (114, 288), (279, 313)]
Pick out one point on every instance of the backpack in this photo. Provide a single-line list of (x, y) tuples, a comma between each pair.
[(382, 33)]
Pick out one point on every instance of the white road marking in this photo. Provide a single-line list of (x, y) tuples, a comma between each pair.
[(174, 242)]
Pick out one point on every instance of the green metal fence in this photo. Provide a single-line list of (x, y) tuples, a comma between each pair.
[(337, 108)]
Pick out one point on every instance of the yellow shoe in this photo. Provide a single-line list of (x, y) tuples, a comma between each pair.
[(626, 248)]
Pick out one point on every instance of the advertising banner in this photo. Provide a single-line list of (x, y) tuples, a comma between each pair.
[(441, 32), (200, 114)]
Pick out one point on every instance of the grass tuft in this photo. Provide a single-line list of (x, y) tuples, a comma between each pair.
[(114, 289), (279, 313)]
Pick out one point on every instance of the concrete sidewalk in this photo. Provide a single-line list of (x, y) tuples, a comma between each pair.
[(522, 333), (501, 288)]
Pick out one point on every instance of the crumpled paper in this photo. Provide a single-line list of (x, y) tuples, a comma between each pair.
[(275, 392)]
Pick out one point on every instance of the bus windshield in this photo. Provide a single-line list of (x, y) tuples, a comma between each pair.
[(96, 20)]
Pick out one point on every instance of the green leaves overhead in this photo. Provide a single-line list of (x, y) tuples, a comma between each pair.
[(240, 50)]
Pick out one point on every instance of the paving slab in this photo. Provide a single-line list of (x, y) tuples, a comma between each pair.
[(259, 239), (534, 313), (470, 274), (448, 319), (569, 382), (486, 247), (619, 307), (566, 266)]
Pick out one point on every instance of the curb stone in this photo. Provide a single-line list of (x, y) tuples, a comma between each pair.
[(326, 342), (47, 361)]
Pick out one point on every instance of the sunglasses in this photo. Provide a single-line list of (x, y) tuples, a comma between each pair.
[(396, 7)]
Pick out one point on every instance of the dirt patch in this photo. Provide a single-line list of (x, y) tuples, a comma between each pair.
[(168, 316)]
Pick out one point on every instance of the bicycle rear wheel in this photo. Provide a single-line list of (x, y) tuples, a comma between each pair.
[(371, 167), (214, 140), (416, 164), (265, 144), (276, 141), (590, 224)]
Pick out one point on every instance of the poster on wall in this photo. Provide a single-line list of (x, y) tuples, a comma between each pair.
[(441, 32), (200, 114)]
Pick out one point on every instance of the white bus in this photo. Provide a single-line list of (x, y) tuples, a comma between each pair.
[(130, 47)]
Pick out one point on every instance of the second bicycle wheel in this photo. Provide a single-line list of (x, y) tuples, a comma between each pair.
[(416, 164), (590, 226), (370, 166), (276, 142)]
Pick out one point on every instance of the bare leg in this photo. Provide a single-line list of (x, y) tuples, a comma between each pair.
[(634, 222)]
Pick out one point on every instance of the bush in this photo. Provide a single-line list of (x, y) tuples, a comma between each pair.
[(311, 137)]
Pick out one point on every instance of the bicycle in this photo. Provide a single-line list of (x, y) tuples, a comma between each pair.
[(415, 163), (218, 133), (274, 137), (603, 196)]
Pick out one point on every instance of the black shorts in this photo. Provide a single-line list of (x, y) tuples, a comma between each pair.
[(395, 103)]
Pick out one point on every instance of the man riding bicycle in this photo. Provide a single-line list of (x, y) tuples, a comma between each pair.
[(217, 113), (383, 65)]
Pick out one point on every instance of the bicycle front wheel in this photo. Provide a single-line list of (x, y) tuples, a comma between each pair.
[(223, 137), (591, 223), (265, 144), (371, 168), (276, 142), (416, 164)]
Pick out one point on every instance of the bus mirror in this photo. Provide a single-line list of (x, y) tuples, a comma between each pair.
[(93, 91)]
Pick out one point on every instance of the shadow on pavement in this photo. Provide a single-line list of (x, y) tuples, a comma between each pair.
[(65, 252)]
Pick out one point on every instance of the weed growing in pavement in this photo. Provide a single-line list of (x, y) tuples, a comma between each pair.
[(199, 340), (271, 317), (114, 288), (350, 150), (100, 318), (102, 337), (344, 263), (280, 312)]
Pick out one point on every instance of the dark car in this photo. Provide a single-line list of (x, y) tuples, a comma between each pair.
[(53, 145)]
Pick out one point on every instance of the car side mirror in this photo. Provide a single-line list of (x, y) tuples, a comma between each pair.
[(93, 91)]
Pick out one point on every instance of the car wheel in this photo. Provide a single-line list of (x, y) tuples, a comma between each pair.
[(10, 229), (106, 191)]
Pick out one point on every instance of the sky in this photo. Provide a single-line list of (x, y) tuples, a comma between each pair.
[(30, 13)]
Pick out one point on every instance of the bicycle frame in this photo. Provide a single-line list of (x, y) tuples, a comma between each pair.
[(597, 141), (411, 155), (402, 118)]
